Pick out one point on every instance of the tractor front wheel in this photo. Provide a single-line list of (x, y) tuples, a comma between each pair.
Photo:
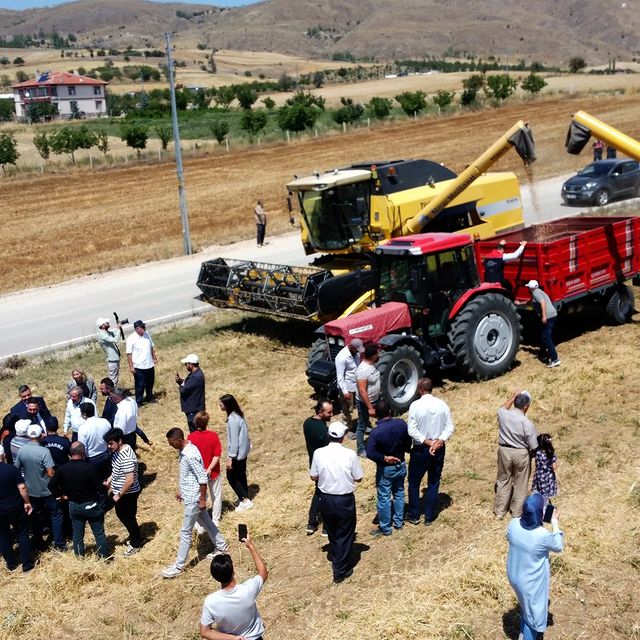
[(400, 369), (485, 336)]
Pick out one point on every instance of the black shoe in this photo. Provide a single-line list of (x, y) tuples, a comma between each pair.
[(324, 533), (311, 529), (376, 520), (344, 577), (428, 523), (413, 520)]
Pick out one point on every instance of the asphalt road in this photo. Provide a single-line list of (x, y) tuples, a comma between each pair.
[(47, 318)]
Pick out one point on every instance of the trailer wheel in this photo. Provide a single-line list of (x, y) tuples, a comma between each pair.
[(620, 305), (601, 198), (400, 369), (317, 351), (485, 336)]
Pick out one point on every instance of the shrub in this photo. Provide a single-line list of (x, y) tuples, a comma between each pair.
[(380, 107), (443, 99), (69, 139), (577, 64), (219, 130), (165, 133), (348, 112), (246, 96), (253, 122), (501, 86), (6, 110), (8, 150), (533, 83), (136, 136), (412, 101), (42, 143)]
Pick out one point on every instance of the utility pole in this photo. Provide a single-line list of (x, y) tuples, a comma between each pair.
[(184, 213)]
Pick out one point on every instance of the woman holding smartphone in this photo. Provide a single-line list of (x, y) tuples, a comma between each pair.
[(238, 447)]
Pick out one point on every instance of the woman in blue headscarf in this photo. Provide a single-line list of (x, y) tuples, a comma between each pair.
[(528, 564)]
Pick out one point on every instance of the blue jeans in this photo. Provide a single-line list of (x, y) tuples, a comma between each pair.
[(527, 632), (547, 348), (364, 423), (390, 483), (421, 462), (93, 513)]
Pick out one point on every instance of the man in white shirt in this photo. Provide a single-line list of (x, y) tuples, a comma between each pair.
[(336, 470), (126, 417), (142, 358), (91, 433), (73, 415), (233, 609), (429, 426), (347, 362)]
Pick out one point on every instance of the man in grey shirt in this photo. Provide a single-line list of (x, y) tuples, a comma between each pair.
[(517, 440), (548, 316), (108, 340), (36, 466)]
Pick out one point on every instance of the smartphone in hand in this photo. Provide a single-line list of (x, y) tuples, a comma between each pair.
[(548, 513), (242, 532)]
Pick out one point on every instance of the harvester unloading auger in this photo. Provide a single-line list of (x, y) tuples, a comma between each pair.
[(346, 213), (583, 126)]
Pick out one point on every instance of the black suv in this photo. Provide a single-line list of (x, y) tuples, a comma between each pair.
[(601, 181)]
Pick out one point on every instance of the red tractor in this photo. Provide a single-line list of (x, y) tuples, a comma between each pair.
[(432, 311)]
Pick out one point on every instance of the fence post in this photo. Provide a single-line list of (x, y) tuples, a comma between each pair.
[(126, 157), (226, 143), (42, 168), (344, 127), (159, 154), (288, 137), (368, 123), (315, 133), (91, 160)]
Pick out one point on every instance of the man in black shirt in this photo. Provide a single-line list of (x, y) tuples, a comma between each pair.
[(79, 483), (316, 436), (57, 445), (15, 506), (191, 389), (110, 407)]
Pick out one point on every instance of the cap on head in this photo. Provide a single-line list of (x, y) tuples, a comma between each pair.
[(138, 323), (101, 321), (337, 429), (356, 343), (502, 244), (532, 284), (192, 358), (22, 426), (34, 431)]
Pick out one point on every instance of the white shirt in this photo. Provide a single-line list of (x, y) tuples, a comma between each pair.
[(140, 349), (234, 611), (72, 416), (346, 365), (367, 371), (429, 419), (91, 433), (336, 468), (126, 417)]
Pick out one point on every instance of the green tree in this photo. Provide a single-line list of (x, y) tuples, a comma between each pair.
[(500, 86), (5, 80), (21, 76), (349, 112), (41, 111), (69, 139), (300, 112), (246, 96), (577, 64), (443, 99), (136, 136), (471, 86), (165, 133), (6, 110), (318, 79), (253, 122), (533, 83), (268, 103), (219, 130), (8, 150), (42, 143), (225, 96), (307, 99), (380, 107), (412, 101), (18, 61), (102, 141)]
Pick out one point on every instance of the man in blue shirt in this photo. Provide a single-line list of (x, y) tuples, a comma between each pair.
[(386, 446), (58, 446)]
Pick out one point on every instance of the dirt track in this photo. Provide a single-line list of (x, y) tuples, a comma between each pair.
[(85, 222)]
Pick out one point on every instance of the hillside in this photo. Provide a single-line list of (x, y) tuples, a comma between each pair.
[(367, 28)]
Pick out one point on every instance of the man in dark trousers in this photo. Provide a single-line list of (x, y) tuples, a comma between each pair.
[(79, 483), (58, 446), (548, 315), (110, 407), (336, 470), (316, 436), (495, 260), (387, 446), (191, 389), (20, 409)]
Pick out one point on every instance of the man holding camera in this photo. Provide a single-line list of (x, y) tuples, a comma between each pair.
[(108, 340)]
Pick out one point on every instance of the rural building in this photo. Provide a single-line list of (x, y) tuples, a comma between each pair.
[(70, 92)]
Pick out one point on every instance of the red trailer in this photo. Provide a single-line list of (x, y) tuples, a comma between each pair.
[(574, 258)]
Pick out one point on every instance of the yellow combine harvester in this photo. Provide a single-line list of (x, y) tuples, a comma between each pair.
[(347, 212)]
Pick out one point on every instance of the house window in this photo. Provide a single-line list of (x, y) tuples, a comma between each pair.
[(72, 91), (98, 105), (54, 91), (96, 91)]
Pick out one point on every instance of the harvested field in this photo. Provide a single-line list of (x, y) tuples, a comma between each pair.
[(89, 222), (447, 582)]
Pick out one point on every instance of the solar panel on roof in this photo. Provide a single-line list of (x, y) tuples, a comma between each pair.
[(43, 77)]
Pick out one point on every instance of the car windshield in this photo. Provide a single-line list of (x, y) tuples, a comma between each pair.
[(595, 169)]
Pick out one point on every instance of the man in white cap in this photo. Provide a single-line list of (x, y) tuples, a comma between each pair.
[(108, 339), (192, 397), (548, 315), (336, 470), (36, 466), (20, 439), (347, 362)]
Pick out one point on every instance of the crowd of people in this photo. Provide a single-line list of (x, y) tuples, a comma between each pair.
[(52, 485)]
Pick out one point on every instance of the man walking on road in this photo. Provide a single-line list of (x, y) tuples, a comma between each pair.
[(336, 469), (517, 440), (192, 398), (261, 223), (387, 446), (142, 358), (108, 339), (315, 437), (430, 426), (548, 316), (347, 362), (193, 483)]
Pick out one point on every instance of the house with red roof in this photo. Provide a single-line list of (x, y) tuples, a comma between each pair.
[(69, 92)]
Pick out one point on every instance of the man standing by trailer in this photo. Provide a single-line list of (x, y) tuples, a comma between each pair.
[(548, 316)]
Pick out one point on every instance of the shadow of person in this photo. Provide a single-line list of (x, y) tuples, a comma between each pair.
[(148, 530), (356, 552), (254, 490), (511, 623)]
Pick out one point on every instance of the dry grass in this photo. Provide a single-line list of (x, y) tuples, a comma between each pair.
[(90, 222), (445, 582)]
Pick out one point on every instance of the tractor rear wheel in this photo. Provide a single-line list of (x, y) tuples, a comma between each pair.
[(400, 369), (319, 350), (620, 305), (485, 336)]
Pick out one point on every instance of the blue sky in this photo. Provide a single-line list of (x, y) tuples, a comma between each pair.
[(28, 4)]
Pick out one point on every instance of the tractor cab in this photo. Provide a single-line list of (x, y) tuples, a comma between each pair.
[(428, 272)]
